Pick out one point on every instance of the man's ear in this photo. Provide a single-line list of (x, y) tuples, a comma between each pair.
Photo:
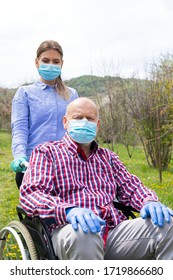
[(98, 125), (65, 122)]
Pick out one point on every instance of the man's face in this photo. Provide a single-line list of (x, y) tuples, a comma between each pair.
[(81, 111)]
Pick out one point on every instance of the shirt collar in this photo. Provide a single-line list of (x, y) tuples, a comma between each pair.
[(74, 148), (42, 85)]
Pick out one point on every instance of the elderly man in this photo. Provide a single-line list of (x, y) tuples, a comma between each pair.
[(71, 184)]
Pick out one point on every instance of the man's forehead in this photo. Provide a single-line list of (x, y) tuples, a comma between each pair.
[(82, 107), (82, 112)]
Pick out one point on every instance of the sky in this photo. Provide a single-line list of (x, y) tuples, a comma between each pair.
[(112, 37)]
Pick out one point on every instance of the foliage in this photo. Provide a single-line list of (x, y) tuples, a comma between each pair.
[(5, 105), (134, 109), (87, 85), (152, 111), (116, 123)]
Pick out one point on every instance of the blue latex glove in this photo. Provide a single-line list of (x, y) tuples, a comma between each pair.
[(86, 218), (157, 211), (15, 164)]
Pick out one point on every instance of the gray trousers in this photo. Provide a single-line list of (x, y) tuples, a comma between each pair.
[(136, 239)]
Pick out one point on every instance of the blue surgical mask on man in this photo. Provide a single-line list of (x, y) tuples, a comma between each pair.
[(49, 72), (82, 131)]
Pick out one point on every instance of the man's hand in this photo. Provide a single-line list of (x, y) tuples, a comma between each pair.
[(86, 218), (16, 164), (157, 211)]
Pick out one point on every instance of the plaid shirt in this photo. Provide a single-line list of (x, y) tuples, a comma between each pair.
[(60, 176)]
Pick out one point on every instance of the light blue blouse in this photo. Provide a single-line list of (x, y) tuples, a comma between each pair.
[(37, 113)]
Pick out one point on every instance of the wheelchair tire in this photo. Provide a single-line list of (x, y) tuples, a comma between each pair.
[(16, 243)]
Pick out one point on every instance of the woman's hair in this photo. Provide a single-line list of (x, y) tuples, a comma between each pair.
[(53, 45)]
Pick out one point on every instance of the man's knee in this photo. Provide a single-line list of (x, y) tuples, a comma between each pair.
[(72, 244)]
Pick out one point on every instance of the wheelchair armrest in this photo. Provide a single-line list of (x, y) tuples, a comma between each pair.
[(21, 213)]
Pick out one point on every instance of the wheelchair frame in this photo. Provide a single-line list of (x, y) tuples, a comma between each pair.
[(26, 239), (30, 238)]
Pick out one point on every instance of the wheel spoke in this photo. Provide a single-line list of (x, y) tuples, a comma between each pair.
[(16, 243)]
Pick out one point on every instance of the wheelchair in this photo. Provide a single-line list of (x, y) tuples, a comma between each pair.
[(29, 239)]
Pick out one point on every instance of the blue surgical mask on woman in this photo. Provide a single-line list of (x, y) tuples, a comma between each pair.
[(49, 72), (82, 131)]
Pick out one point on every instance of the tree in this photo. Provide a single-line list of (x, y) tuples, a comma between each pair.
[(116, 123), (151, 105)]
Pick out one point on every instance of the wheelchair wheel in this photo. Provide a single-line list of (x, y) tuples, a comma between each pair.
[(16, 243)]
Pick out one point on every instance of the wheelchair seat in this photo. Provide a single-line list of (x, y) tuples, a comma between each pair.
[(128, 211)]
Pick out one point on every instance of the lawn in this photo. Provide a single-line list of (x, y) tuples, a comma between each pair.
[(8, 189), (136, 165)]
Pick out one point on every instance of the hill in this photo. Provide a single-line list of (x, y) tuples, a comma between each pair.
[(87, 85)]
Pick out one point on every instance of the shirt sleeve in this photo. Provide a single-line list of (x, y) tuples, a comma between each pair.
[(38, 196), (19, 123), (130, 190)]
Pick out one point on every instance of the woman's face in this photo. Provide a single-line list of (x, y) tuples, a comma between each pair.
[(49, 57)]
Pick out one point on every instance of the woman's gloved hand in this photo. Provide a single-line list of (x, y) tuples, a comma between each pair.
[(17, 166), (86, 218)]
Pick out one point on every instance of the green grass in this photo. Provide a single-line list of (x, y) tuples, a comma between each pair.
[(136, 165), (8, 188)]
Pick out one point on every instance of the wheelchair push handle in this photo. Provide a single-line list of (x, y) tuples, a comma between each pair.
[(24, 164)]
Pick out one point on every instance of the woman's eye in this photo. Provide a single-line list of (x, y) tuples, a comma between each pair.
[(45, 61)]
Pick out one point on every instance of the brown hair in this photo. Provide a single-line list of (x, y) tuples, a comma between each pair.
[(53, 45)]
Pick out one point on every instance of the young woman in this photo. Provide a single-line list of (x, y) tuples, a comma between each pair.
[(38, 109)]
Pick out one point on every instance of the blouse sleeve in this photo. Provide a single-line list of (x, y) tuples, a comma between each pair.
[(19, 123)]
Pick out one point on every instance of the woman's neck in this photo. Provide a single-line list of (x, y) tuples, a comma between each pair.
[(49, 83)]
